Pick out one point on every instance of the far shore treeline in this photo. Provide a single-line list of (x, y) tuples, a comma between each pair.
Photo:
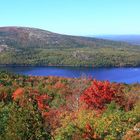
[(29, 46)]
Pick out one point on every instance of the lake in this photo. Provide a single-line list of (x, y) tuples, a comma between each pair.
[(126, 75)]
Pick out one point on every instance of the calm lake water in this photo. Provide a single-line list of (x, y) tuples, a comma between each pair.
[(126, 75)]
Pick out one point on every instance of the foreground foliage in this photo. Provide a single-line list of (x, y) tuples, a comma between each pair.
[(67, 109)]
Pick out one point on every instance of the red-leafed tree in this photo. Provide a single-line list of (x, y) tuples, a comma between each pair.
[(101, 93), (42, 102)]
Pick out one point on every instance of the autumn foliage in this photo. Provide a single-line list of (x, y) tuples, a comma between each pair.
[(67, 109), (42, 102), (101, 93), (18, 93)]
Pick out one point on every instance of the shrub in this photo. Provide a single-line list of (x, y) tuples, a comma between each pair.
[(101, 93)]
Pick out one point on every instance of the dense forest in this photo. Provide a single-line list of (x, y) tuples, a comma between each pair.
[(55, 108), (99, 57), (29, 46)]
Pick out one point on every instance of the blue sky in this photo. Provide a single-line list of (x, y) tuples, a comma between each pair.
[(77, 17)]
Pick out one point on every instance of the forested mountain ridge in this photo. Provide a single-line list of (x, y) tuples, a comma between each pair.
[(32, 37), (31, 46)]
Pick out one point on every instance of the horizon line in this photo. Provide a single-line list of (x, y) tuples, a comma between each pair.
[(86, 35)]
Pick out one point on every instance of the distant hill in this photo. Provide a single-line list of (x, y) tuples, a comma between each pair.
[(31, 46), (133, 39), (32, 37)]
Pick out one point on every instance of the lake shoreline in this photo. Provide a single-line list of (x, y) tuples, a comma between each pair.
[(17, 65), (125, 75)]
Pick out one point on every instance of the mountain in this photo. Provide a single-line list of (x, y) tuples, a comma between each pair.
[(32, 37), (132, 39), (31, 46)]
